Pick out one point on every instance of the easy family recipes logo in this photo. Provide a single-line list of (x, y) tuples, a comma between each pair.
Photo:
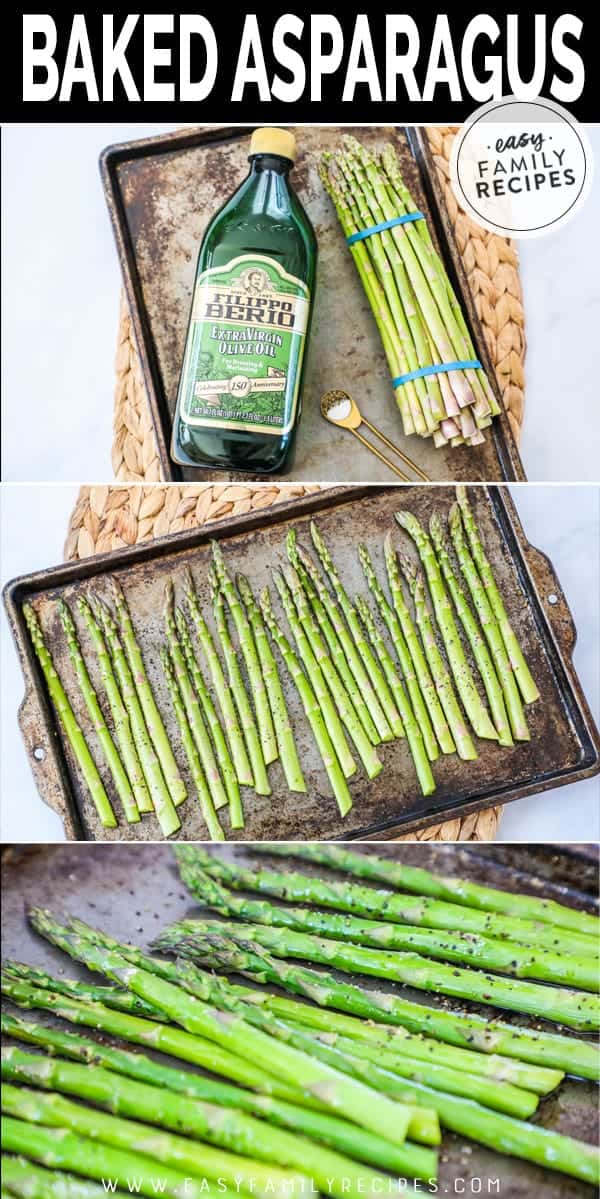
[(521, 168), (521, 162)]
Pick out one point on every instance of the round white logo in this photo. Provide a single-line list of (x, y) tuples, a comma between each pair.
[(521, 168)]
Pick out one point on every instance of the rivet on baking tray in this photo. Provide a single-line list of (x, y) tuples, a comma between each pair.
[(39, 753), (552, 598)]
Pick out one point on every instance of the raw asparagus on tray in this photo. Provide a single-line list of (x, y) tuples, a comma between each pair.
[(304, 657)]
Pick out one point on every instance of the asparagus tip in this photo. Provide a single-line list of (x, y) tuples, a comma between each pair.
[(455, 518), (435, 525)]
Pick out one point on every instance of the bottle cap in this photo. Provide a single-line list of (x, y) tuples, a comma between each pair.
[(273, 141)]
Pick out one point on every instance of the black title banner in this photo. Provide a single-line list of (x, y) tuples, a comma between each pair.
[(274, 65)]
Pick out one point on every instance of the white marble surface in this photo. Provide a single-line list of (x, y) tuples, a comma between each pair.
[(563, 521), (61, 287)]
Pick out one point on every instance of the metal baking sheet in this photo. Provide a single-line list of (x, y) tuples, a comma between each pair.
[(163, 191), (564, 744), (133, 891)]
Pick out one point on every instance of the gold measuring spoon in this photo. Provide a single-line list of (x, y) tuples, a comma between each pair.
[(340, 409)]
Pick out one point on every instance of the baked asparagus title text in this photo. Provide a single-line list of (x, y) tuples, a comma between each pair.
[(182, 57)]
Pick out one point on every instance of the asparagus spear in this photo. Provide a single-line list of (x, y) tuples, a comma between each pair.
[(368, 755), (120, 715), (114, 997), (174, 1113), (386, 905), (425, 882), (473, 633), (427, 678), (463, 948), (230, 1130), (373, 670), (26, 1181), (238, 689), (340, 1135), (286, 743), (527, 686), (489, 626), (461, 670), (317, 681), (55, 1146), (196, 770), (412, 683), (221, 686), (152, 716), (353, 1100), (111, 755), (464, 1031), (341, 645), (161, 798), (378, 643), (311, 707), (456, 722), (263, 712), (212, 720), (192, 705), (165, 1039), (572, 1008), (67, 718)]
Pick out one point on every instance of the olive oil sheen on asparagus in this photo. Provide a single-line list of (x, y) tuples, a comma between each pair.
[(239, 398)]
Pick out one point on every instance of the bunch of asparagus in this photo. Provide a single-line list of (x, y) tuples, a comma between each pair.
[(417, 313), (358, 690), (296, 1093)]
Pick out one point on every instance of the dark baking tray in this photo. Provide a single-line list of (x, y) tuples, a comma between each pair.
[(133, 891), (564, 745), (163, 191)]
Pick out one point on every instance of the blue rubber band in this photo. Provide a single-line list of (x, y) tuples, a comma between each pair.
[(440, 369), (397, 220)]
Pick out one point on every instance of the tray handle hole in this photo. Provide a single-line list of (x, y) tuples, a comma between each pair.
[(39, 753), (552, 598)]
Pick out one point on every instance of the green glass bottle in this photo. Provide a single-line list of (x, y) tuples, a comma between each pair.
[(239, 397)]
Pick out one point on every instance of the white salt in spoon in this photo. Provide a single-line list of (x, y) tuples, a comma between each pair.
[(340, 409)]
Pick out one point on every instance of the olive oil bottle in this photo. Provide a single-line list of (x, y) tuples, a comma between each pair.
[(238, 404)]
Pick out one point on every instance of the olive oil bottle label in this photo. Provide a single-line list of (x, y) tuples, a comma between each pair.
[(245, 346)]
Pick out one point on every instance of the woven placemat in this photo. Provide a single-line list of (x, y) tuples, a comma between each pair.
[(108, 518)]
